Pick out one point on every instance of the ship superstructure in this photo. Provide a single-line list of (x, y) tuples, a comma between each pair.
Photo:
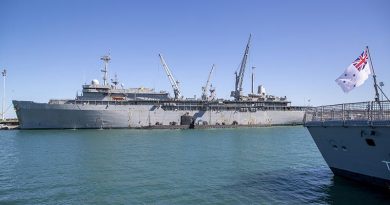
[(109, 105)]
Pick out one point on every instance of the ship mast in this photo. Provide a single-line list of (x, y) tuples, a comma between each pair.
[(253, 78), (174, 83), (237, 93), (106, 60), (4, 73)]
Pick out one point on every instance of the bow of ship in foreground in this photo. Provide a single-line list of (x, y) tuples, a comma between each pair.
[(354, 138)]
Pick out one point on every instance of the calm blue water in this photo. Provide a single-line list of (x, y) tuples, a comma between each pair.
[(279, 165)]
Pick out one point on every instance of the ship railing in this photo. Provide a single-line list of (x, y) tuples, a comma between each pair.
[(362, 113), (190, 105), (109, 102)]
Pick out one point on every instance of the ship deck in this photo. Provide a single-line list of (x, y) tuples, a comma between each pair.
[(370, 113), (242, 106)]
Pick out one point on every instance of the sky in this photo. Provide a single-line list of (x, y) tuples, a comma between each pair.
[(50, 48)]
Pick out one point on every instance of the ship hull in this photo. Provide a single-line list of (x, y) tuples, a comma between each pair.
[(33, 115), (357, 152)]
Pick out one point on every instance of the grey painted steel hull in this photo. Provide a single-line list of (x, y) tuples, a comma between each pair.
[(349, 151), (33, 115)]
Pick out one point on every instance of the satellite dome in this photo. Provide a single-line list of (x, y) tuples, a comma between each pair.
[(95, 82)]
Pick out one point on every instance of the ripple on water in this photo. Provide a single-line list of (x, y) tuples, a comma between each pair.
[(278, 165)]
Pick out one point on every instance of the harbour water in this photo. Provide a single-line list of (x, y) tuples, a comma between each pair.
[(274, 165)]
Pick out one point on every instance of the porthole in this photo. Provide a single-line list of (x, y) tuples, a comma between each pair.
[(333, 144)]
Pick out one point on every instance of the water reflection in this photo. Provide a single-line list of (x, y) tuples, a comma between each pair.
[(306, 186), (346, 191)]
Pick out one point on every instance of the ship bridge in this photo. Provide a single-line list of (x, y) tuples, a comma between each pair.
[(94, 91)]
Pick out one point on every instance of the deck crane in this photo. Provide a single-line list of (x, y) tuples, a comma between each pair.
[(174, 83), (237, 93), (206, 87)]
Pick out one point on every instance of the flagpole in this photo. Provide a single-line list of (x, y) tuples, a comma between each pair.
[(374, 76), (375, 84)]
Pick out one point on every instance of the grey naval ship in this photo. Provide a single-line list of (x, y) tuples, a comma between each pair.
[(109, 105), (354, 138)]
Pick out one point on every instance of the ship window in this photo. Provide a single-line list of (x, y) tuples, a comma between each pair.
[(370, 142)]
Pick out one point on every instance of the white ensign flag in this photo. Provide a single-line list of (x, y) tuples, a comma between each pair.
[(355, 74)]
